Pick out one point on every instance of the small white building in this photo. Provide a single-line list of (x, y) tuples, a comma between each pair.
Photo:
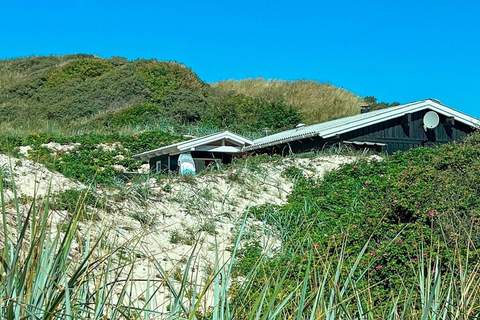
[(205, 151)]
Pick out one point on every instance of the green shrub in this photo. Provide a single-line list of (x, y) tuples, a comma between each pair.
[(88, 162), (185, 106), (293, 172), (162, 78), (78, 70), (240, 112), (423, 195), (73, 200), (138, 114)]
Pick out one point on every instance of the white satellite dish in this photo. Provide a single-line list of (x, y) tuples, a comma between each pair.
[(431, 120)]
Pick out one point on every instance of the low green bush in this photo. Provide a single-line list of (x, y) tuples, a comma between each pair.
[(243, 113), (78, 70), (94, 158), (426, 195), (137, 114), (72, 200)]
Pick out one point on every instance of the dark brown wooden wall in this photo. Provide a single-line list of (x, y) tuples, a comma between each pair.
[(408, 132), (397, 134)]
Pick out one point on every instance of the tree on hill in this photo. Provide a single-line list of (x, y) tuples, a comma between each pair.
[(372, 102)]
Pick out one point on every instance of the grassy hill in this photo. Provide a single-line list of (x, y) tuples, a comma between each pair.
[(316, 102), (69, 87), (142, 104), (85, 92), (390, 239)]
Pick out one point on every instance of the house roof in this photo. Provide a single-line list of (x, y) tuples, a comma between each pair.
[(199, 144), (332, 128)]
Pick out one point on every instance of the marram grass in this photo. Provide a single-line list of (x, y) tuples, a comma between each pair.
[(45, 274)]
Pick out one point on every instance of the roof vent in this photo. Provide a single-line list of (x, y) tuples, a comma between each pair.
[(365, 109), (300, 125)]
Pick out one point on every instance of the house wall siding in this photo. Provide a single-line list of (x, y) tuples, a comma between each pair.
[(224, 157), (408, 132)]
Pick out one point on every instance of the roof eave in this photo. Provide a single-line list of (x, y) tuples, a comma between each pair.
[(222, 135), (155, 153), (281, 141)]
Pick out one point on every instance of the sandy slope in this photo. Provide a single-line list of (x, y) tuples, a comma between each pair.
[(163, 221), (204, 211), (33, 179)]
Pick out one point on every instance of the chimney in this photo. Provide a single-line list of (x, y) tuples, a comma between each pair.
[(365, 109)]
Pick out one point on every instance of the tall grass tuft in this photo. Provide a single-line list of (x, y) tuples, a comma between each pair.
[(59, 274), (49, 274)]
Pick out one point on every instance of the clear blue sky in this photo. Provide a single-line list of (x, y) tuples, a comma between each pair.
[(394, 50)]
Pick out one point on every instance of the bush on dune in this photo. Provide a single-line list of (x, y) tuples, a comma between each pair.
[(93, 159), (399, 206), (315, 102)]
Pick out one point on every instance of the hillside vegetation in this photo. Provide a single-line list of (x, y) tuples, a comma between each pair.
[(405, 215), (79, 99), (83, 92), (316, 102), (266, 237), (376, 239)]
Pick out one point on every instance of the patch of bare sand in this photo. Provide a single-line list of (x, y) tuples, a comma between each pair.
[(33, 179), (206, 211), (170, 220)]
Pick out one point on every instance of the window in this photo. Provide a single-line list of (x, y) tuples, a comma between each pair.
[(203, 163), (158, 166)]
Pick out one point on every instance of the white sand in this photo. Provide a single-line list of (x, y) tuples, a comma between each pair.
[(33, 179), (215, 201), (177, 212)]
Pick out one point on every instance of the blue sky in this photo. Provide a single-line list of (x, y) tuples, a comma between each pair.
[(395, 50)]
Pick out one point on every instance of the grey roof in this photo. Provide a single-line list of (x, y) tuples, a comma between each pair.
[(331, 128), (192, 144)]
